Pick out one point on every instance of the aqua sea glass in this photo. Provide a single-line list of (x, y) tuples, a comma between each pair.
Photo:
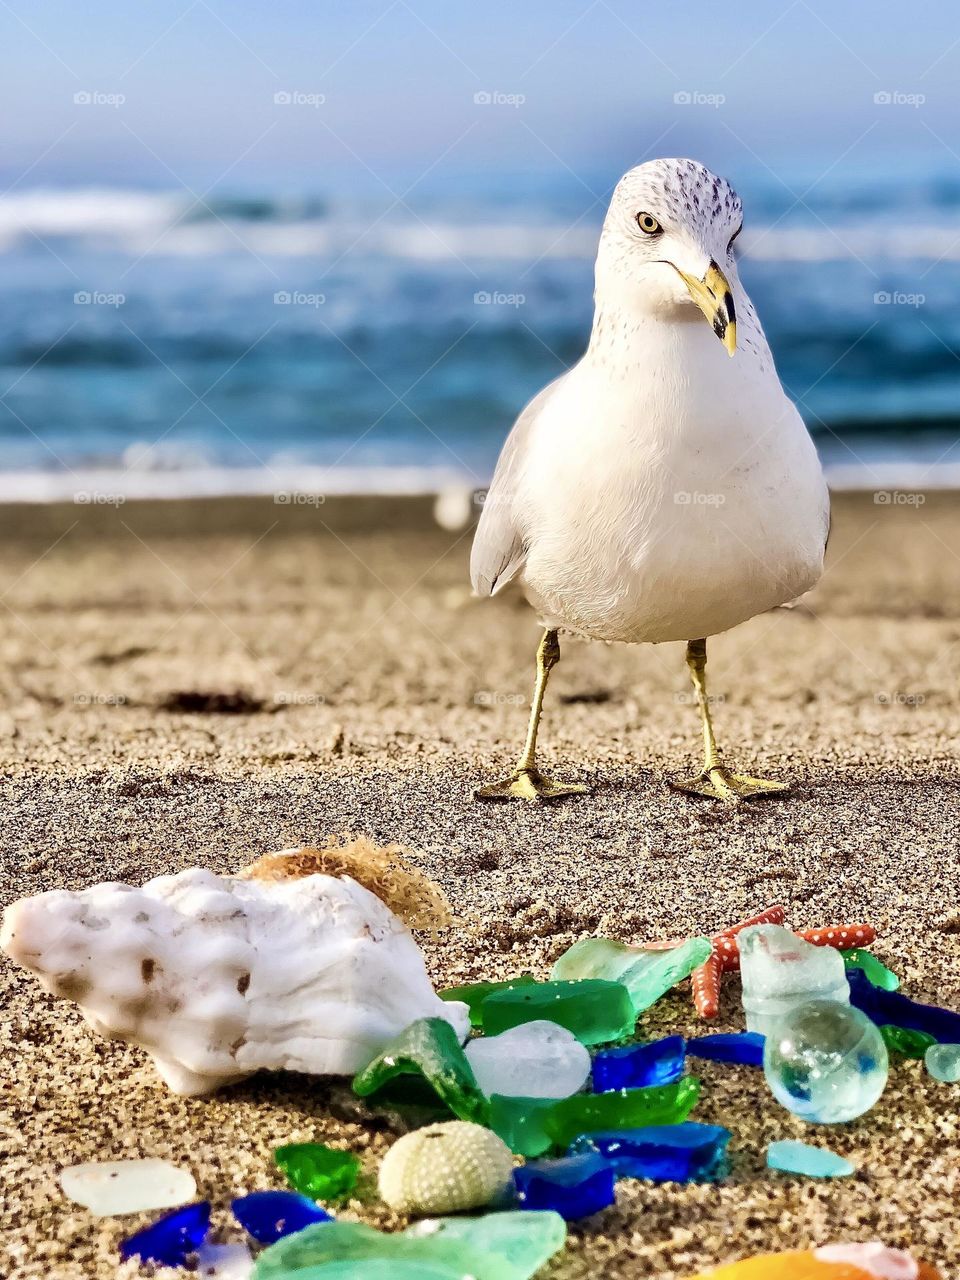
[(874, 970), (427, 1049), (594, 1010), (474, 994), (637, 1065), (647, 975), (664, 1153), (623, 1109), (826, 1062), (496, 1246), (318, 1171), (809, 1161), (892, 1007), (907, 1043), (943, 1062), (574, 1186), (743, 1047), (170, 1240)]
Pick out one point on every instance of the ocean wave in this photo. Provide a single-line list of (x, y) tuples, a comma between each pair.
[(164, 223)]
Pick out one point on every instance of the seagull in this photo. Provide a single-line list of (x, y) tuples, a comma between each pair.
[(659, 489)]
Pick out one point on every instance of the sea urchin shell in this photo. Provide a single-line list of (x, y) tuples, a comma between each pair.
[(445, 1168)]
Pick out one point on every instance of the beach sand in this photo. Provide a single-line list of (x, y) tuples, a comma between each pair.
[(351, 683)]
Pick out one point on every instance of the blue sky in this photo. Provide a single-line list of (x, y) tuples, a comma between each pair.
[(777, 83)]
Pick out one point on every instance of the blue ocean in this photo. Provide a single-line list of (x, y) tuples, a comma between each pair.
[(352, 342)]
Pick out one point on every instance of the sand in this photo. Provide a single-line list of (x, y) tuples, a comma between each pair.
[(350, 682)]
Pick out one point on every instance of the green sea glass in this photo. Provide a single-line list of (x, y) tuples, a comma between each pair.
[(320, 1172), (909, 1044), (621, 1109), (495, 1246), (474, 994), (519, 1122), (428, 1049), (871, 968), (596, 1011), (647, 975)]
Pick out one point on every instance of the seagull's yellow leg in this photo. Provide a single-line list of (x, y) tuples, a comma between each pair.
[(527, 782), (716, 780)]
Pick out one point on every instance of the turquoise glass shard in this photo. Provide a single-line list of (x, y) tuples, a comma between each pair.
[(428, 1049), (474, 994), (596, 1011), (623, 1109), (647, 975), (663, 1153), (496, 1246), (943, 1062), (872, 968), (519, 1122), (813, 1162)]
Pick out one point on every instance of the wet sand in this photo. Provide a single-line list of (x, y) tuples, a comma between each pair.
[(204, 682)]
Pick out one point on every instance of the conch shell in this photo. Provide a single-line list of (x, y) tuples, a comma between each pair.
[(218, 977)]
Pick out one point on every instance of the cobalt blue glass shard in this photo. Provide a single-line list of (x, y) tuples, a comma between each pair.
[(885, 1007), (573, 1186), (637, 1065), (170, 1240), (663, 1153), (268, 1216), (744, 1047)]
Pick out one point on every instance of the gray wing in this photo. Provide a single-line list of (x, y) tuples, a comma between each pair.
[(499, 550)]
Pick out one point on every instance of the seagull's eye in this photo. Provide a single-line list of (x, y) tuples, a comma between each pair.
[(648, 224), (733, 237)]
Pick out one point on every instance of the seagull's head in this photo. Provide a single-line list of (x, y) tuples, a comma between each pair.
[(667, 244)]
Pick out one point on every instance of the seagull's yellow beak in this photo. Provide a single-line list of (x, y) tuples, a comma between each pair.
[(714, 297)]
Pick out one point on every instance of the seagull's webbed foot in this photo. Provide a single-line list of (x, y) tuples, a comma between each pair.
[(719, 783), (529, 784)]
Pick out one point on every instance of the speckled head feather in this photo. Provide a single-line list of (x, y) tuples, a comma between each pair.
[(680, 194)]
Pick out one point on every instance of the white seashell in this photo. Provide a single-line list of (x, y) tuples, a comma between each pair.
[(445, 1168), (111, 1187), (219, 977)]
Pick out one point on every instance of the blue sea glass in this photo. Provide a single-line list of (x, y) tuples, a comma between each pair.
[(663, 1153), (826, 1062), (745, 1047), (812, 1162), (268, 1216), (943, 1062), (171, 1239), (637, 1065), (573, 1186), (884, 1007)]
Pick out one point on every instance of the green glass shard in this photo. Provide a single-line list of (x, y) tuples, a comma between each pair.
[(873, 969), (474, 994), (909, 1044), (596, 1011), (320, 1172), (428, 1048), (519, 1122), (647, 975), (622, 1109)]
